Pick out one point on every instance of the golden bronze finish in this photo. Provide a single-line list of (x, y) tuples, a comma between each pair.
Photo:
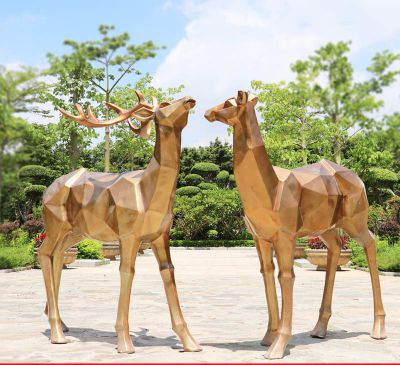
[(131, 207), (281, 205)]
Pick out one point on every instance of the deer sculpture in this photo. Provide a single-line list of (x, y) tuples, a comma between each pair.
[(131, 207), (281, 205)]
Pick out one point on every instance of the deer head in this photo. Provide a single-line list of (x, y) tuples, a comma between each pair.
[(168, 114), (230, 111)]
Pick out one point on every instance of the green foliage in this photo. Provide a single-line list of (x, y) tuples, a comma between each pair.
[(207, 186), (218, 209), (222, 179), (232, 181), (36, 174), (388, 256), (193, 179), (16, 256), (376, 216), (212, 234), (207, 170), (37, 212), (188, 191), (382, 176), (90, 249), (212, 243), (33, 192)]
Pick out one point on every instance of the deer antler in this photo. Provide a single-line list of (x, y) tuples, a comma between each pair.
[(143, 112)]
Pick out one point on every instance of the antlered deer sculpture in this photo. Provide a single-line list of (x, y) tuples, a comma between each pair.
[(281, 205), (131, 207)]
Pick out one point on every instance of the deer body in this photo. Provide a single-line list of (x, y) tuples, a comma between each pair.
[(131, 207), (281, 204)]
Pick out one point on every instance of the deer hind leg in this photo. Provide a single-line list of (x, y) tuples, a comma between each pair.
[(161, 250), (366, 239), (284, 248), (332, 241), (58, 262), (46, 264), (129, 249), (264, 249)]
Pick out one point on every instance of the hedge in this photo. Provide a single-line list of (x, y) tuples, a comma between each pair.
[(188, 191), (207, 186), (90, 249), (193, 179), (222, 178), (212, 243)]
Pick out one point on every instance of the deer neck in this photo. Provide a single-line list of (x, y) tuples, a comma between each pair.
[(254, 173), (161, 174)]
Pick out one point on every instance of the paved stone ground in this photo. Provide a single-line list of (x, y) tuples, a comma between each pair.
[(223, 299)]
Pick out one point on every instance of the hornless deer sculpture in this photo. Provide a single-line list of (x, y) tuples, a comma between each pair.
[(131, 207), (281, 205)]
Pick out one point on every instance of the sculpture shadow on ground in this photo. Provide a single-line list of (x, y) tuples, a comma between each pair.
[(298, 339), (140, 338)]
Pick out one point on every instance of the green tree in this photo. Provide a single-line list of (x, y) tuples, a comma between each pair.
[(20, 91), (73, 74), (111, 58), (293, 130), (346, 104)]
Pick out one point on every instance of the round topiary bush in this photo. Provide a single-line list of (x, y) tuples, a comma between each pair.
[(207, 170), (222, 179), (34, 192), (193, 179), (207, 186), (188, 191), (36, 174), (90, 249), (212, 234)]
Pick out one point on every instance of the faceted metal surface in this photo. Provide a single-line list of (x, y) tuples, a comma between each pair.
[(281, 205), (131, 207)]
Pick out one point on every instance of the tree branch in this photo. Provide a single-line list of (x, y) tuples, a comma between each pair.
[(98, 85)]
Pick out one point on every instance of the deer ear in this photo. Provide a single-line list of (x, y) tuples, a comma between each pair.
[(242, 97), (253, 99)]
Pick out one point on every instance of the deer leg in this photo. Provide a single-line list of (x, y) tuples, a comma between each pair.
[(284, 248), (161, 250), (367, 240), (264, 249), (129, 249), (58, 263), (332, 241), (56, 332)]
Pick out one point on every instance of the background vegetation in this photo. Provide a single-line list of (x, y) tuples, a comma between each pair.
[(324, 112)]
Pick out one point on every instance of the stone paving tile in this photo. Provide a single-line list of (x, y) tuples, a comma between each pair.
[(223, 299)]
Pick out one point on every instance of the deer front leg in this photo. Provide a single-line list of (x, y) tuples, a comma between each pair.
[(129, 248), (264, 249), (284, 248), (161, 250)]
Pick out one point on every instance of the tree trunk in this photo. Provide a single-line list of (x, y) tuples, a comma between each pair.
[(74, 149), (107, 150)]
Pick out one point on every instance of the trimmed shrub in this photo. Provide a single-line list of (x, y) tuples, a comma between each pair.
[(377, 174), (33, 226), (207, 170), (90, 249), (222, 179), (207, 186), (36, 174), (174, 234), (188, 191), (37, 212), (8, 227), (232, 181), (387, 256), (212, 234), (193, 179), (376, 216), (212, 243), (34, 192)]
